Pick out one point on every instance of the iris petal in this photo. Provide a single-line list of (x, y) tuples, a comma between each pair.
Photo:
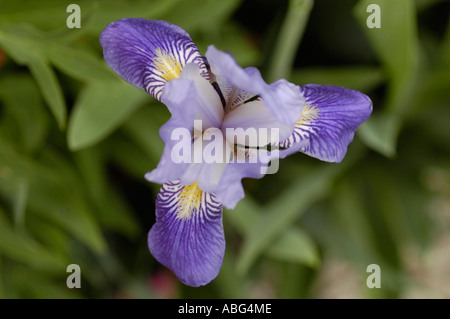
[(149, 53), (328, 122), (230, 190), (281, 98), (234, 96), (252, 116), (188, 234), (188, 99)]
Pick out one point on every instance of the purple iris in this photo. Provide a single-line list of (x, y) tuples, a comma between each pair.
[(208, 97)]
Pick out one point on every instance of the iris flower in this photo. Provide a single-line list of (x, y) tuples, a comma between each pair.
[(207, 98)]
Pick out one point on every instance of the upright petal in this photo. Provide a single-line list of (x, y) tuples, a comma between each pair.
[(233, 96), (148, 53), (254, 117), (328, 122), (190, 98), (188, 234), (207, 102), (283, 99)]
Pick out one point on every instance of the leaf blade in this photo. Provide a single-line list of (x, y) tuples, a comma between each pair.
[(100, 108)]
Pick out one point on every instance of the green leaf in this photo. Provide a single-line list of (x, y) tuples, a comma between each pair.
[(232, 38), (381, 133), (201, 14), (71, 209), (403, 207), (95, 15), (445, 46), (50, 234), (111, 210), (244, 215), (99, 14), (49, 288), (79, 63), (361, 78), (288, 40), (20, 43), (55, 193), (2, 288), (131, 158), (358, 239), (100, 108), (396, 45), (24, 282), (295, 246), (46, 14), (22, 99), (20, 202), (22, 248), (24, 45), (50, 88), (395, 42), (282, 211), (143, 129), (230, 284)]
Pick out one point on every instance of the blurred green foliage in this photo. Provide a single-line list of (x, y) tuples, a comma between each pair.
[(76, 141)]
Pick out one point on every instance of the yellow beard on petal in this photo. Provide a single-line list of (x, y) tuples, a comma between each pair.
[(189, 202), (309, 113), (167, 65)]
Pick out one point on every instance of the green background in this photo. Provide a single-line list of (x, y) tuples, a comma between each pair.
[(76, 141)]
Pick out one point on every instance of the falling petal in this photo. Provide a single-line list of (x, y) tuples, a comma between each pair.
[(187, 236), (149, 53), (328, 122)]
